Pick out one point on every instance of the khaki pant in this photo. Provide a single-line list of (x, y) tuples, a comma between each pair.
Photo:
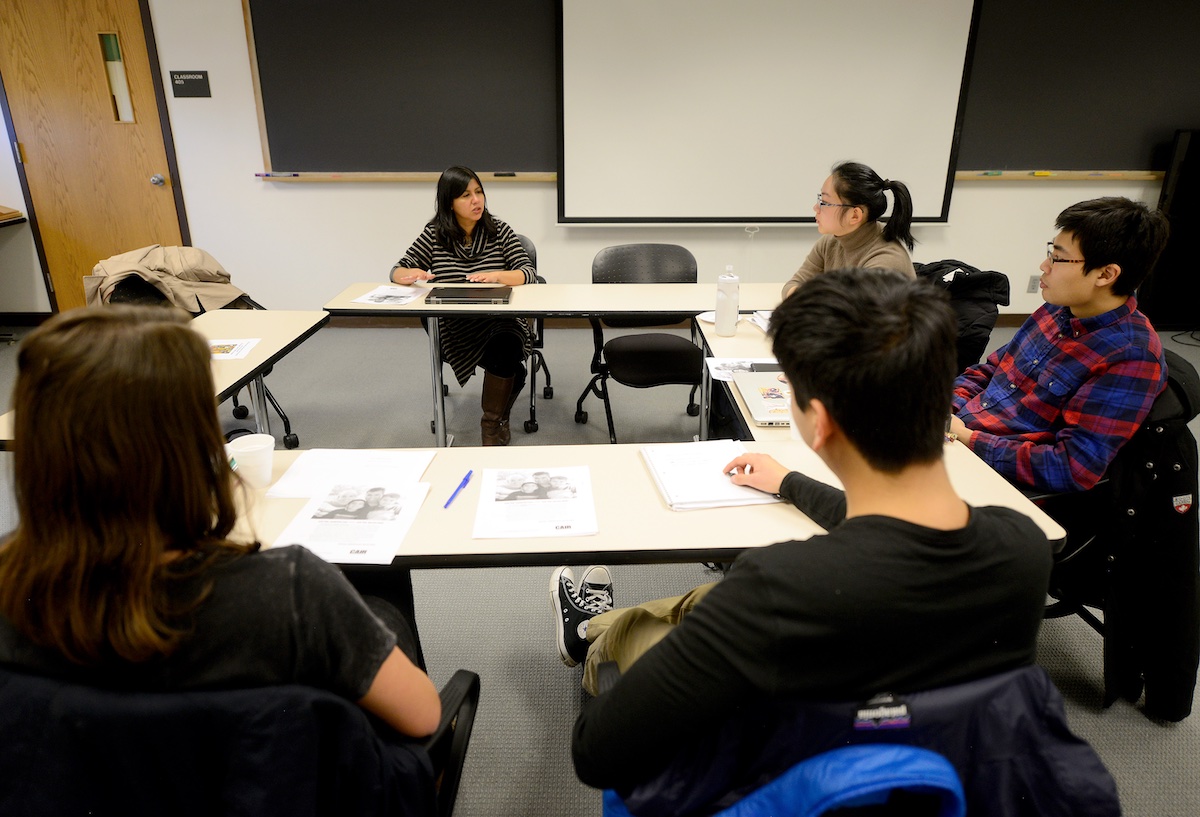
[(625, 634)]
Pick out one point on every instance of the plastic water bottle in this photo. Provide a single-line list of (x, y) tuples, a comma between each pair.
[(727, 302)]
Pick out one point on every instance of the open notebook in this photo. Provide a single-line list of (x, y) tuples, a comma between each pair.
[(689, 475)]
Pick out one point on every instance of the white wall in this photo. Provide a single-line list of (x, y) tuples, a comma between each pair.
[(296, 245), (22, 288)]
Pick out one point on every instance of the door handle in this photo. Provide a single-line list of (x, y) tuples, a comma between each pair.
[(158, 180)]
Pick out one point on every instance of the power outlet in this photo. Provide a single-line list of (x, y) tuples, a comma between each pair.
[(1033, 284)]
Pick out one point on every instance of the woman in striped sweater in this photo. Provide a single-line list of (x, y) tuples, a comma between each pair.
[(463, 242)]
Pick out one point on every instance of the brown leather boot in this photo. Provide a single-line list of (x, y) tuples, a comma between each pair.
[(517, 387), (497, 392)]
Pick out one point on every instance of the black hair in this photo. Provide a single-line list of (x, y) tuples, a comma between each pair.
[(878, 350), (859, 185), (451, 184), (1115, 230)]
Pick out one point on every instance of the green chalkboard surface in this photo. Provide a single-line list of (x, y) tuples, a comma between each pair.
[(1080, 84), (389, 85), (403, 85)]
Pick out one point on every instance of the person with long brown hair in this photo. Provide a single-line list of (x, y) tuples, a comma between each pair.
[(464, 242), (121, 571)]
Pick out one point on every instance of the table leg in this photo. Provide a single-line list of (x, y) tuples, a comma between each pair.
[(262, 418), (439, 400), (705, 380)]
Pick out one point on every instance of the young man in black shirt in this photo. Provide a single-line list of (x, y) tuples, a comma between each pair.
[(910, 589)]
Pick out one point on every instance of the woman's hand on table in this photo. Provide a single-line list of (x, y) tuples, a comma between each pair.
[(407, 277), (510, 278)]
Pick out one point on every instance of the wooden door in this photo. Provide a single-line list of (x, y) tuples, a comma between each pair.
[(89, 175)]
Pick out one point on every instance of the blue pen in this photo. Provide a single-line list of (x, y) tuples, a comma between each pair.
[(457, 490)]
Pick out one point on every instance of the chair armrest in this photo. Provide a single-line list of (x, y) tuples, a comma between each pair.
[(447, 746)]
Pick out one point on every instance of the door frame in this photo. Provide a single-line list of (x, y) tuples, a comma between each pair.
[(160, 99)]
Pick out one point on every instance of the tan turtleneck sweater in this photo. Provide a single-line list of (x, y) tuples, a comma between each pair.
[(865, 247)]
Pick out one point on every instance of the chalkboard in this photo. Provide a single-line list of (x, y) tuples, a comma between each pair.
[(1081, 84), (388, 85), (398, 85)]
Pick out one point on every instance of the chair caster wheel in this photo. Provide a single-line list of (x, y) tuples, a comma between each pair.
[(693, 410), (530, 426), (548, 392), (581, 416), (241, 412), (291, 441)]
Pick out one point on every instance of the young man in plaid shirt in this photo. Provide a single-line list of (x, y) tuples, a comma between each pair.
[(1051, 409)]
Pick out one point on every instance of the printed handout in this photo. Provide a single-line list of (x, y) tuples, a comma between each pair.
[(390, 294), (722, 368), (357, 522), (312, 472), (534, 502), (232, 349)]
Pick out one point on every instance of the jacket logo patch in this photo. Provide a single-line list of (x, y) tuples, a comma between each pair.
[(1182, 503)]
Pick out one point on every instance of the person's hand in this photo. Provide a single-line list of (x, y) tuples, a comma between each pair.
[(760, 471), (484, 278), (407, 277), (959, 429)]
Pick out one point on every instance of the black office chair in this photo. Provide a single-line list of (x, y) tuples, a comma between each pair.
[(1005, 736), (73, 749), (537, 361), (642, 360), (975, 296), (1131, 552)]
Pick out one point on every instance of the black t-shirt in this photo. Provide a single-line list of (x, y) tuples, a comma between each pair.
[(875, 605), (279, 616)]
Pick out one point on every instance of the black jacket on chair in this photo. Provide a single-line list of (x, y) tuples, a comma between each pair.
[(975, 297), (1006, 735), (73, 750), (1142, 565)]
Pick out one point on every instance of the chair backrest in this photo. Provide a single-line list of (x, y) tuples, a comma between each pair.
[(1006, 736), (644, 264), (530, 250), (73, 749)]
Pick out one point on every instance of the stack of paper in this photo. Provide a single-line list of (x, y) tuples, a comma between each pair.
[(691, 476), (361, 504)]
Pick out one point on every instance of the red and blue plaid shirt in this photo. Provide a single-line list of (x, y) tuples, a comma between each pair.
[(1052, 408)]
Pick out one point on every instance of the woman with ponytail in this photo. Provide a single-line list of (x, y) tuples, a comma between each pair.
[(848, 212)]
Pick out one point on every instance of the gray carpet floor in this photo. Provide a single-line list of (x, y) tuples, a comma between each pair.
[(369, 387)]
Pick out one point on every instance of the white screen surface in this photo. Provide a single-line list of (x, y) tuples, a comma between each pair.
[(690, 111)]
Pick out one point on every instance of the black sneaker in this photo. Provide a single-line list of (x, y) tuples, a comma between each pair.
[(571, 616), (595, 585)]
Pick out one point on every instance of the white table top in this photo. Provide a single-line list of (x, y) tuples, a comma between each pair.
[(748, 343), (571, 300), (278, 331), (635, 524)]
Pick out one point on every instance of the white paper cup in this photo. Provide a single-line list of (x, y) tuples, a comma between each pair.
[(253, 454)]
